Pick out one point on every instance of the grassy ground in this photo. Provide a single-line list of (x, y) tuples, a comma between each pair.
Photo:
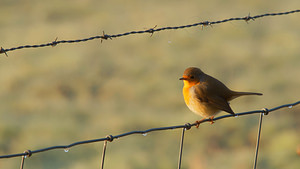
[(72, 92)]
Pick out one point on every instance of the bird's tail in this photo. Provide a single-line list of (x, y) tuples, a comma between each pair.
[(238, 94)]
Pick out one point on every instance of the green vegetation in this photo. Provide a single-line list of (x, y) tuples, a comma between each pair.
[(72, 92)]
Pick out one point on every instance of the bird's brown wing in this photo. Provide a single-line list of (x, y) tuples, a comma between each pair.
[(205, 95), (220, 103)]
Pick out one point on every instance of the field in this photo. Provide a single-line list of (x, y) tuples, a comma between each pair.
[(72, 92)]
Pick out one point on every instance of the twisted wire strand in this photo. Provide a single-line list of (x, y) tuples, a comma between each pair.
[(151, 31), (111, 137)]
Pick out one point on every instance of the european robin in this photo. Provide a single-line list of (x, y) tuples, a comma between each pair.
[(207, 96)]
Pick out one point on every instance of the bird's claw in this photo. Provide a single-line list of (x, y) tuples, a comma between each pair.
[(197, 123), (212, 120)]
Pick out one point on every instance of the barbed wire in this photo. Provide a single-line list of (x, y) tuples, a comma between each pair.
[(105, 36), (110, 138)]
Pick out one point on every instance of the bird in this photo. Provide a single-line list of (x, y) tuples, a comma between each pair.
[(207, 96)]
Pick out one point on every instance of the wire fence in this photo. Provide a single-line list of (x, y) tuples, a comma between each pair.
[(105, 36), (110, 138)]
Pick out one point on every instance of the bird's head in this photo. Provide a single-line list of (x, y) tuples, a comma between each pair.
[(191, 76)]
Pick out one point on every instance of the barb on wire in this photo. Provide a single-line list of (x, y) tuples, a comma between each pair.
[(248, 18), (111, 137), (206, 23), (152, 30), (2, 50), (105, 36), (54, 43)]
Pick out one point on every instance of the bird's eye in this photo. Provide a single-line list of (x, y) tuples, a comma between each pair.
[(192, 77)]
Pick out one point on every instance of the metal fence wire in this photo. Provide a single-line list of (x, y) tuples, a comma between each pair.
[(110, 138), (105, 36)]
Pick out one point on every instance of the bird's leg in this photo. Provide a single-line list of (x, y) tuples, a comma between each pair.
[(212, 119), (198, 122)]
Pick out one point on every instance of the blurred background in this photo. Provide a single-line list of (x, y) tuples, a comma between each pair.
[(72, 92)]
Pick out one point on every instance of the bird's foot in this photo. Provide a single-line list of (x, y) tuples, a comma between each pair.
[(198, 122), (212, 120)]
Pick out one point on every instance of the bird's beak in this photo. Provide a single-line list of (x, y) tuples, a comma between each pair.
[(183, 78)]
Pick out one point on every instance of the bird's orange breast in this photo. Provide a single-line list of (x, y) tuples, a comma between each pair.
[(187, 91), (194, 104), (186, 95)]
